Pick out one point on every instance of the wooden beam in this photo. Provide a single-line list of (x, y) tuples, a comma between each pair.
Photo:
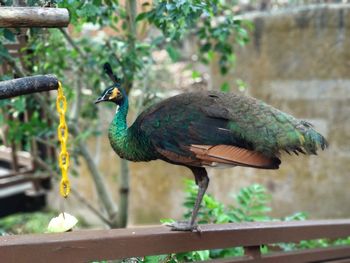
[(95, 245), (24, 158), (27, 85), (15, 17)]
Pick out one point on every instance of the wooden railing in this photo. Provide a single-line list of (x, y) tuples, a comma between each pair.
[(94, 245)]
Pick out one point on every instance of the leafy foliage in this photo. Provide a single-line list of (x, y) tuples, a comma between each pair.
[(6, 35), (50, 51), (251, 205), (30, 223), (212, 22), (25, 223)]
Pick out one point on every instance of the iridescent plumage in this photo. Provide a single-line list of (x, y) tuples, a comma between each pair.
[(202, 129)]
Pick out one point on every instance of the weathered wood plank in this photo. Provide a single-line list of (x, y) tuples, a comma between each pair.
[(27, 85), (23, 157), (16, 17), (90, 245)]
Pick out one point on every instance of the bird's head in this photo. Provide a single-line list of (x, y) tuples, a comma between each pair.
[(114, 93)]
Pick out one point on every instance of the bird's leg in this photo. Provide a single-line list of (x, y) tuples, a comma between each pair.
[(202, 180)]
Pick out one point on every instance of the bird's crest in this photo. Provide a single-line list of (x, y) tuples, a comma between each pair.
[(108, 70)]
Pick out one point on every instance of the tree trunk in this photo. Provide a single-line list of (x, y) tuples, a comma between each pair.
[(103, 192), (124, 193), (124, 166)]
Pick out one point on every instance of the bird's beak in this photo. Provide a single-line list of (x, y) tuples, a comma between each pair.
[(100, 99)]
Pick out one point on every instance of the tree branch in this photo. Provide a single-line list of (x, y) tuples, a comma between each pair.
[(77, 102), (72, 43), (108, 44), (16, 17), (27, 85), (103, 192), (124, 184), (131, 7)]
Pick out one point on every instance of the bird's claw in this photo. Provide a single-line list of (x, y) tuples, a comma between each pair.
[(183, 226)]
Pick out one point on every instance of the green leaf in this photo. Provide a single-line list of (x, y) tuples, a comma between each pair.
[(225, 87), (196, 74), (202, 255), (124, 25), (158, 40), (19, 104), (155, 259), (167, 220), (173, 53), (4, 52), (259, 218), (296, 216), (242, 86), (88, 10), (9, 35), (205, 48), (210, 55), (223, 218), (142, 16)]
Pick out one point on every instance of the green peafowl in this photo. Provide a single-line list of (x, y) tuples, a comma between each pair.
[(207, 129)]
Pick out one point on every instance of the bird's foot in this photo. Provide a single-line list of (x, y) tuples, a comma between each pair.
[(183, 226)]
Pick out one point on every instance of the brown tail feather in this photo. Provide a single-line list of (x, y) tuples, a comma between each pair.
[(228, 154)]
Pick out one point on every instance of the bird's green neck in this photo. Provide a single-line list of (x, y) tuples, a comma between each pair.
[(126, 142), (119, 124)]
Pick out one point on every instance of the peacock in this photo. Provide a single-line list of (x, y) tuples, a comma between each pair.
[(207, 129)]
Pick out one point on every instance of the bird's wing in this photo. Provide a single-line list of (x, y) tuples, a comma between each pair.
[(212, 127), (181, 131)]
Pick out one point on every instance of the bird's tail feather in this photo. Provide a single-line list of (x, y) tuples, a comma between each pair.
[(312, 139)]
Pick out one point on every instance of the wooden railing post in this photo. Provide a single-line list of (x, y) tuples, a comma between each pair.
[(253, 252)]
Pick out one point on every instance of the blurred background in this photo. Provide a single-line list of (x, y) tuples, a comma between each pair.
[(293, 55)]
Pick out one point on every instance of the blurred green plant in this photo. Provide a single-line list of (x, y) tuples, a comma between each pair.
[(251, 205), (25, 223), (30, 223)]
